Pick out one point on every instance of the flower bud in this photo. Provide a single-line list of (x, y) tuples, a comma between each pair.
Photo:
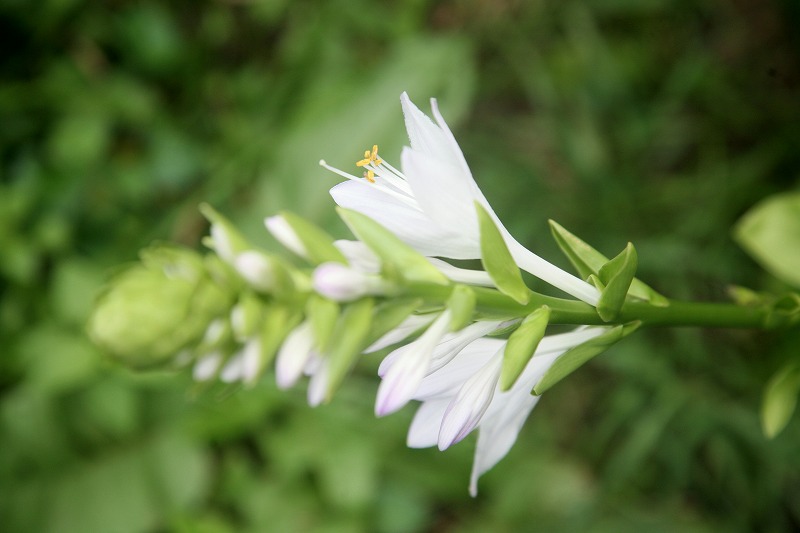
[(285, 234), (151, 311), (344, 284)]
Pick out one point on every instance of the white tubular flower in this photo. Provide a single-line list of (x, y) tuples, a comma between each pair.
[(284, 234), (430, 204), (465, 394), (341, 283), (401, 381)]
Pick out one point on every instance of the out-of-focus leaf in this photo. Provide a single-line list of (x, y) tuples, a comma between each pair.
[(780, 399), (770, 233)]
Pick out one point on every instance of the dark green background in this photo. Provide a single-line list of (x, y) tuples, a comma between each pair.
[(654, 121)]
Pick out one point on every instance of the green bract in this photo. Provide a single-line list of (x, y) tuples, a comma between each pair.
[(317, 244), (402, 260), (616, 277), (588, 261), (497, 260), (521, 346), (152, 310)]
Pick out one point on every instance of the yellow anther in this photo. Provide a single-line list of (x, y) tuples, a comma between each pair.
[(369, 176), (370, 157)]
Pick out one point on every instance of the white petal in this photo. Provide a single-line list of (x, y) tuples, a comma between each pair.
[(497, 435), (404, 376), (424, 429), (251, 359), (233, 369), (453, 343), (318, 386), (446, 381), (443, 192), (407, 327), (410, 225), (207, 366), (462, 275), (340, 283), (293, 355), (284, 234), (359, 256), (468, 406), (424, 135), (256, 269)]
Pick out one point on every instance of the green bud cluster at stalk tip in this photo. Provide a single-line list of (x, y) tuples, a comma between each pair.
[(154, 309)]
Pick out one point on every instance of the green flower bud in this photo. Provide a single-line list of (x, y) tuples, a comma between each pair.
[(152, 310)]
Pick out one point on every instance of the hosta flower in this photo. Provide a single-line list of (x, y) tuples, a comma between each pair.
[(430, 204), (464, 395)]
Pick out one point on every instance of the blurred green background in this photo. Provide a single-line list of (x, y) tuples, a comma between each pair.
[(654, 121)]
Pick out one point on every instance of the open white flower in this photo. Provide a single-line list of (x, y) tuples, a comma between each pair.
[(464, 395), (430, 204)]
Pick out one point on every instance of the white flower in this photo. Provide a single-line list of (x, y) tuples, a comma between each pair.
[(465, 394), (401, 380), (430, 204)]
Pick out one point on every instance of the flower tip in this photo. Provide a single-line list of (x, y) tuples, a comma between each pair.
[(322, 163)]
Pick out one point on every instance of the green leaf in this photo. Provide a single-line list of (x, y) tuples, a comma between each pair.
[(521, 346), (573, 358), (588, 261), (317, 242), (352, 336), (404, 260), (617, 276), (770, 233), (780, 399), (323, 314), (497, 260), (462, 306), (389, 315)]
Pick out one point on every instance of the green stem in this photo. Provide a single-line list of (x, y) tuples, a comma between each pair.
[(677, 313)]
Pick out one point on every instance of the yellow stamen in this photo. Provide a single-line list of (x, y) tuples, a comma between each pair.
[(369, 176), (370, 157)]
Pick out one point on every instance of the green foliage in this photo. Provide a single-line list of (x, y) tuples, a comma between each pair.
[(780, 399), (650, 121), (770, 232)]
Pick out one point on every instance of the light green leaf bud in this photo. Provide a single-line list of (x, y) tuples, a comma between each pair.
[(152, 310)]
